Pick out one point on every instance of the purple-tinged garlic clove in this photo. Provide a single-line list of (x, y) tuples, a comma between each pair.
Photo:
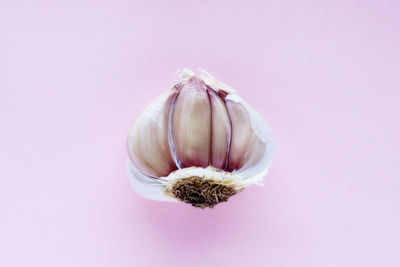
[(221, 131), (191, 125), (148, 145), (242, 135)]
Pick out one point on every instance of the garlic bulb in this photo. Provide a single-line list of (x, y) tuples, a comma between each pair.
[(199, 143)]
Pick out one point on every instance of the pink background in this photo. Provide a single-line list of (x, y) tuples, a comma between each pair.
[(325, 75)]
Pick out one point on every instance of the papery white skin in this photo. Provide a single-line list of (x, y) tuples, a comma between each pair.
[(199, 128)]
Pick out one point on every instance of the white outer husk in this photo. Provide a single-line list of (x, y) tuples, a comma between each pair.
[(155, 188)]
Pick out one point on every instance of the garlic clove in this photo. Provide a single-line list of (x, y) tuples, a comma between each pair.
[(148, 144), (221, 131), (191, 125), (255, 170), (246, 148)]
